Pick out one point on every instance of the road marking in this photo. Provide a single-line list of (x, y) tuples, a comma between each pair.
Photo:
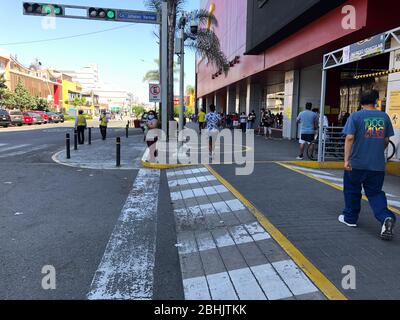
[(246, 285), (297, 282), (126, 269), (333, 185), (221, 287), (183, 182), (271, 282), (18, 153), (312, 171), (316, 276), (330, 178), (196, 289), (19, 146)]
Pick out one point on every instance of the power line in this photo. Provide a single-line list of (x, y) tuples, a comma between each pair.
[(64, 38)]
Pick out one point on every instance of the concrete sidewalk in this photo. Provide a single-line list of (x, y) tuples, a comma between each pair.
[(102, 154), (306, 209)]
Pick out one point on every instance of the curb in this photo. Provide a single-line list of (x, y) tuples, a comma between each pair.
[(392, 168)]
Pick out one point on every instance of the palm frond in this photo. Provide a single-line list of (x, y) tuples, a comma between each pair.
[(202, 16), (208, 47)]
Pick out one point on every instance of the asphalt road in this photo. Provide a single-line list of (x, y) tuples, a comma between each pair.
[(53, 215)]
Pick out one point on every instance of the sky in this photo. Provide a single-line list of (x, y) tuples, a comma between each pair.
[(124, 55)]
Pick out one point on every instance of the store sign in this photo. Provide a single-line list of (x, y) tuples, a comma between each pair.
[(364, 49), (394, 108)]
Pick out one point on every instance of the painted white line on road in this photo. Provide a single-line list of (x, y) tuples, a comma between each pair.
[(196, 289), (271, 283), (3, 144), (194, 180), (330, 178), (19, 146), (19, 153), (394, 203), (221, 287), (311, 170), (126, 269), (294, 278), (246, 285), (257, 232)]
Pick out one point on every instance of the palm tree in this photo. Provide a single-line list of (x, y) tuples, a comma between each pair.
[(154, 75), (206, 44)]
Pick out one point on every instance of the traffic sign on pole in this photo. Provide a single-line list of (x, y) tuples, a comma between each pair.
[(154, 92)]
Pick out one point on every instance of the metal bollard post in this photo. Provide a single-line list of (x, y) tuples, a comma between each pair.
[(75, 139), (127, 131), (118, 152), (90, 136), (68, 145)]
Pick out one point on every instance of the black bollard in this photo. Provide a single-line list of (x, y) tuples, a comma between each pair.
[(68, 145), (90, 136), (127, 131), (75, 139), (118, 152)]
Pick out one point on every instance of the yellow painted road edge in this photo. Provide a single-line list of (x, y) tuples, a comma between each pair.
[(391, 167), (316, 276), (285, 164)]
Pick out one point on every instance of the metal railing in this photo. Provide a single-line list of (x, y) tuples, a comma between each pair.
[(333, 144)]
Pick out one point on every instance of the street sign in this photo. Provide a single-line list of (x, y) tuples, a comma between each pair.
[(154, 93), (137, 16)]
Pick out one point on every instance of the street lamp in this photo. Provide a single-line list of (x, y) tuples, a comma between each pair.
[(180, 51)]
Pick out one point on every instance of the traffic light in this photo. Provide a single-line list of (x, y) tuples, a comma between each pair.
[(102, 14), (40, 9)]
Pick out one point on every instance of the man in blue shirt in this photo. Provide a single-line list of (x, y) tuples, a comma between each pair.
[(309, 123), (367, 136)]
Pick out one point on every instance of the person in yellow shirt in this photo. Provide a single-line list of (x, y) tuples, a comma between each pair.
[(202, 119), (80, 126), (103, 125)]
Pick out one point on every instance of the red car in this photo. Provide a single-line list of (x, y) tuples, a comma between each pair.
[(27, 118), (44, 115)]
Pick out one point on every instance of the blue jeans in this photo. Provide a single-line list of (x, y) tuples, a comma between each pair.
[(250, 125), (372, 182)]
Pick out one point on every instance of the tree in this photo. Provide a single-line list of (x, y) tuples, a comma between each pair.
[(154, 75), (205, 43), (41, 104), (138, 111), (21, 98), (3, 90), (79, 102)]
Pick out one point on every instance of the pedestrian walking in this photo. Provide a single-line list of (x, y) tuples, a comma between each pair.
[(251, 119), (367, 136), (103, 125), (243, 121), (80, 126), (235, 121), (309, 123), (267, 122), (213, 120), (202, 118)]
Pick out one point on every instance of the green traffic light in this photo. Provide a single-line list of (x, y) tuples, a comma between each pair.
[(110, 14), (47, 9)]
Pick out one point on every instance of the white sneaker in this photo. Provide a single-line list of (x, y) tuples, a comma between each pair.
[(300, 158), (341, 219)]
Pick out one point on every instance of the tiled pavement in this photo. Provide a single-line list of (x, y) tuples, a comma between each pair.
[(225, 254)]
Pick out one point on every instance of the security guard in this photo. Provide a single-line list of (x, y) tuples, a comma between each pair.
[(103, 125), (80, 126)]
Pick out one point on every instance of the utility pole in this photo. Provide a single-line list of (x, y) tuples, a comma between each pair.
[(182, 25), (164, 66)]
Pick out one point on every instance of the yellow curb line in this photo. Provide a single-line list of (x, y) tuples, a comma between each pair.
[(284, 164), (163, 166), (391, 167), (316, 276)]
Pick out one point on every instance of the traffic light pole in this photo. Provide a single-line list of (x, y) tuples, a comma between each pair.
[(164, 67), (116, 15)]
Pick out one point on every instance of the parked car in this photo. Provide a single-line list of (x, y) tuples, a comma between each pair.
[(16, 117), (61, 116), (5, 119), (54, 117), (43, 114), (36, 118), (28, 119)]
